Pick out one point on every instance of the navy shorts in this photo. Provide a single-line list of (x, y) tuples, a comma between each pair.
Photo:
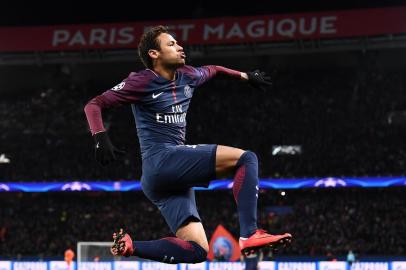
[(170, 172)]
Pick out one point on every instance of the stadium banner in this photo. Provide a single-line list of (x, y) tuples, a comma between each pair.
[(297, 266), (398, 266), (5, 265), (61, 265), (227, 30), (125, 265), (139, 265), (30, 265), (336, 265), (264, 183), (223, 246)]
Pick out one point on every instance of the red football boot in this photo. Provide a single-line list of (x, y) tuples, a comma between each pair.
[(123, 244), (262, 239)]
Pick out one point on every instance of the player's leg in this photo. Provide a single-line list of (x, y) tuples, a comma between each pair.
[(181, 249), (180, 212), (244, 166), (226, 160), (193, 231)]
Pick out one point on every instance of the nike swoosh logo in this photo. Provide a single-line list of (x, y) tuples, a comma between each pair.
[(155, 96)]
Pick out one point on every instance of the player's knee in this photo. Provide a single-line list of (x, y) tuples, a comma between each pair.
[(248, 157), (200, 252), (205, 247)]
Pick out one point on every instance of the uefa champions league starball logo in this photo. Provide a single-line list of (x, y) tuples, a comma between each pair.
[(76, 186), (330, 182), (188, 91), (222, 248), (118, 86)]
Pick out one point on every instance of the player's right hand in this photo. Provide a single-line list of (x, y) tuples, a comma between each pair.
[(105, 151)]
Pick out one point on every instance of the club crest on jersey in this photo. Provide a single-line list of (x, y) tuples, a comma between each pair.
[(188, 91), (118, 86)]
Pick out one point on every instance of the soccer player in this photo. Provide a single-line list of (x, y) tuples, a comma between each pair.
[(160, 97)]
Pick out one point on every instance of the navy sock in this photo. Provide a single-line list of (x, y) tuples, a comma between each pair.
[(170, 250), (245, 190)]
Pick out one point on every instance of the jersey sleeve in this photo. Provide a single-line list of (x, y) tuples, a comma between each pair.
[(202, 74), (129, 91)]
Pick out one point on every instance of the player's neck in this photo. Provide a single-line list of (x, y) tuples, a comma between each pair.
[(168, 74)]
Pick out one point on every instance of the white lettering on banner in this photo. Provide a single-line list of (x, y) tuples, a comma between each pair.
[(370, 266), (235, 31), (30, 266), (213, 30), (158, 266), (266, 265), (96, 36), (183, 28), (287, 27), (77, 39), (311, 30), (296, 266), (327, 25), (95, 266), (126, 265), (60, 36), (126, 35), (226, 266), (61, 265), (5, 265), (398, 265), (196, 266), (112, 36), (332, 265), (254, 31)]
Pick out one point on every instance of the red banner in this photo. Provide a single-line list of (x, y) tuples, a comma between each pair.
[(228, 30)]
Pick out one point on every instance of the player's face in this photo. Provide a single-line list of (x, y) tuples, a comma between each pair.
[(171, 54)]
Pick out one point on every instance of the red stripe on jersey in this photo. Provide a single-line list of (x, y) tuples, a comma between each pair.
[(174, 91)]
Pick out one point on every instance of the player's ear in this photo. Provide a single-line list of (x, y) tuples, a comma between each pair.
[(153, 54)]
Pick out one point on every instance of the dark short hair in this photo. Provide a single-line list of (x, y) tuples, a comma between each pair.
[(148, 42)]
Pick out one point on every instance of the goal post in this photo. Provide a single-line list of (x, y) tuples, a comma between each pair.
[(94, 251)]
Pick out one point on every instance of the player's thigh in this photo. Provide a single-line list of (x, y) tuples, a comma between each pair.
[(187, 166), (226, 160), (193, 231)]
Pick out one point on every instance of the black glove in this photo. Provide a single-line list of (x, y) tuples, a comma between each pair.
[(259, 80), (105, 151)]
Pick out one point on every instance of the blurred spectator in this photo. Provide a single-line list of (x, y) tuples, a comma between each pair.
[(69, 255), (350, 257)]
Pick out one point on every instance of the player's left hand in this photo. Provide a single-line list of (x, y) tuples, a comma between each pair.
[(259, 79)]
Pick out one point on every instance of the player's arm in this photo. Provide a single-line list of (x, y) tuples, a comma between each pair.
[(124, 93), (257, 79)]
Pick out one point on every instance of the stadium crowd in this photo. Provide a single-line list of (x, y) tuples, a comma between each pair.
[(367, 221), (338, 117)]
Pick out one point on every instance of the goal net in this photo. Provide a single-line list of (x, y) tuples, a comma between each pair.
[(97, 256)]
